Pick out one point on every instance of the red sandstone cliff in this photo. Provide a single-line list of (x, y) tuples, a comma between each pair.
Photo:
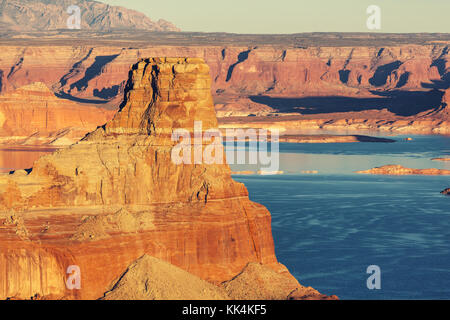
[(116, 195), (33, 115), (395, 88), (316, 71)]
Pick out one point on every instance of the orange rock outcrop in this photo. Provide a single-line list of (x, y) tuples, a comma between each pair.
[(400, 170), (116, 195), (33, 115), (100, 71)]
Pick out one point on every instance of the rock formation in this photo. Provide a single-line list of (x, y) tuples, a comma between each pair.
[(117, 195), (255, 282), (389, 88), (38, 15), (400, 170), (33, 115), (445, 107)]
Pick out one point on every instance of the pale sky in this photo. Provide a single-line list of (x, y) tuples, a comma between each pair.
[(295, 16)]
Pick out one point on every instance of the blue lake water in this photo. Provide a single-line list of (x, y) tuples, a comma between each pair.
[(329, 227)]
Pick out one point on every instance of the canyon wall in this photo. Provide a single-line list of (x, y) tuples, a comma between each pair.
[(397, 170), (33, 115), (100, 72), (405, 82)]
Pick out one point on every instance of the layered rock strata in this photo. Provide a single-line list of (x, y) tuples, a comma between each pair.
[(33, 115), (117, 195)]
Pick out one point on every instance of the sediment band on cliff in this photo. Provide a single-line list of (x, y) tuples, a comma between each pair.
[(401, 89), (116, 196)]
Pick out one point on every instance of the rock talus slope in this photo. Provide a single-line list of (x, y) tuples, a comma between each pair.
[(116, 195)]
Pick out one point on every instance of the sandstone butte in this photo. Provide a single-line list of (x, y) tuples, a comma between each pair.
[(400, 170), (115, 196)]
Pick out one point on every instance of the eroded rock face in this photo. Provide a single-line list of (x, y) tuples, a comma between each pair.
[(388, 88), (33, 115), (116, 195), (242, 72)]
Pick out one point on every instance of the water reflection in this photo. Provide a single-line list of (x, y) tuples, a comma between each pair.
[(346, 158)]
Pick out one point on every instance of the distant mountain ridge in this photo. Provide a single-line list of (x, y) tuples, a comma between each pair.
[(42, 15)]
